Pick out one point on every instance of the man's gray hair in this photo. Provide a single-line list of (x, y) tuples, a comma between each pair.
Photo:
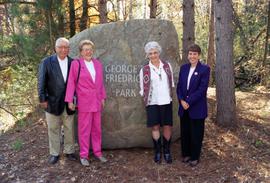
[(61, 39), (152, 45)]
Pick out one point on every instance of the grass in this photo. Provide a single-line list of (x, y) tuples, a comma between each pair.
[(258, 143), (22, 123), (17, 145)]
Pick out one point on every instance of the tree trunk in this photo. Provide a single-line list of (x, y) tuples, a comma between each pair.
[(130, 9), (225, 92), (9, 28), (102, 7), (2, 23), (265, 77), (60, 17), (115, 10), (61, 25), (153, 8), (188, 28), (50, 24), (125, 10), (211, 42), (84, 17), (50, 29), (72, 25), (120, 10), (267, 37), (144, 8)]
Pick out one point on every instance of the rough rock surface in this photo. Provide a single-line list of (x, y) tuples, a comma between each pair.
[(120, 47)]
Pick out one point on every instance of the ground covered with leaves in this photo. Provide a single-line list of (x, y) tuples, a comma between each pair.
[(239, 154)]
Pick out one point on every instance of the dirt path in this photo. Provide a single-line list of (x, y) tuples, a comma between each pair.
[(240, 155)]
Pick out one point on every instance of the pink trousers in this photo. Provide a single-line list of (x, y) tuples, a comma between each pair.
[(89, 129)]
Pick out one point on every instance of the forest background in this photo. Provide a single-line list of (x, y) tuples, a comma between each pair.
[(234, 36)]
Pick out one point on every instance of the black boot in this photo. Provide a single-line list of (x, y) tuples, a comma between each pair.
[(166, 150), (157, 148)]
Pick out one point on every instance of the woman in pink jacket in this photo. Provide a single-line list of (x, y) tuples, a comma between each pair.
[(86, 78)]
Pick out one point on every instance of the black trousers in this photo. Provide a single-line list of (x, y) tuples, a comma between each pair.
[(192, 132)]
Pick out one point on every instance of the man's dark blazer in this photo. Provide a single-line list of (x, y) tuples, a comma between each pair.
[(51, 85), (196, 95)]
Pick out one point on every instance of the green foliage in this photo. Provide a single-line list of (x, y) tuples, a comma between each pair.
[(249, 43), (33, 34), (17, 145), (20, 114), (6, 44), (20, 91), (258, 143), (29, 41), (22, 123)]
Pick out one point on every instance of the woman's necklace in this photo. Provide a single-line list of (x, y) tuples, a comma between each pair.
[(157, 69), (158, 73)]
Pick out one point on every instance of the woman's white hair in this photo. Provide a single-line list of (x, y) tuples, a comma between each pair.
[(61, 40), (152, 45)]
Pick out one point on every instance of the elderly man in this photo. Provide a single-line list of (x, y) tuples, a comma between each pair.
[(52, 79)]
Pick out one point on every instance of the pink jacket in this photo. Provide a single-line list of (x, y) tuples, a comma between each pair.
[(89, 93)]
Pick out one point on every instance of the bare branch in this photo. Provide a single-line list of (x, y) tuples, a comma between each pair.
[(9, 112), (33, 2)]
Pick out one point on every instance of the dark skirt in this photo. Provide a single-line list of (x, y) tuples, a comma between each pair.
[(159, 115)]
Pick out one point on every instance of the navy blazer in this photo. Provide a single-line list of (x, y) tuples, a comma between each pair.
[(196, 95)]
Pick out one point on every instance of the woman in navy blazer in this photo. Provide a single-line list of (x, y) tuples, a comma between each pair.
[(191, 91)]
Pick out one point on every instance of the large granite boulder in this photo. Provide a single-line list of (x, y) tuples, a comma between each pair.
[(120, 47)]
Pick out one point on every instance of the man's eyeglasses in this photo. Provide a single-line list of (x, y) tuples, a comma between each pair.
[(63, 47)]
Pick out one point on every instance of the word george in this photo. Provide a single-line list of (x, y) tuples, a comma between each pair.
[(122, 68)]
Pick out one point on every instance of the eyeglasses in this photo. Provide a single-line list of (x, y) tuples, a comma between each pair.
[(87, 49), (63, 47)]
